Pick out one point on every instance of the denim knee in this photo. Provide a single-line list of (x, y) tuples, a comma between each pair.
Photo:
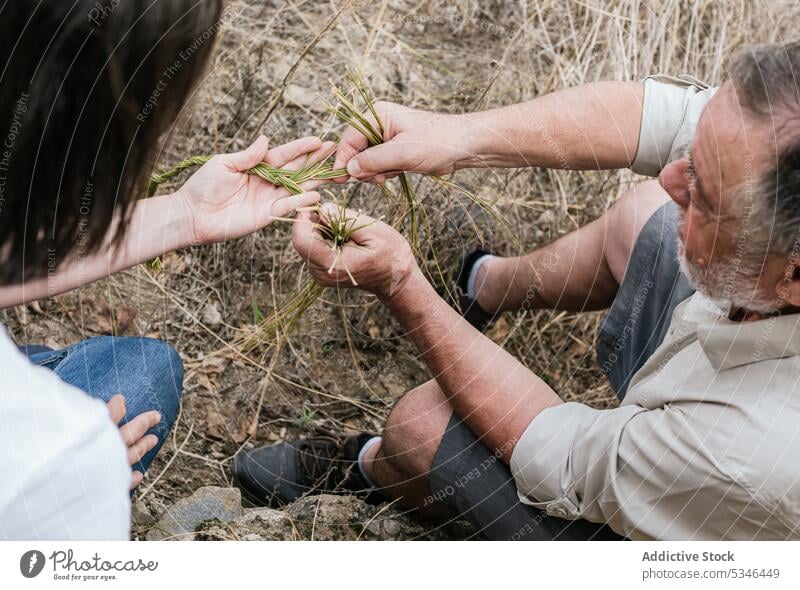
[(148, 372)]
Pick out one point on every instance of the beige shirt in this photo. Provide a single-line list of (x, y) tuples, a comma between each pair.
[(706, 443)]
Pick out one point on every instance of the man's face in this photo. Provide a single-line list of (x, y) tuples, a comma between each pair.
[(713, 186)]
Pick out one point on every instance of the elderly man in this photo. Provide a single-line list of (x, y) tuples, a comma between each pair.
[(700, 270)]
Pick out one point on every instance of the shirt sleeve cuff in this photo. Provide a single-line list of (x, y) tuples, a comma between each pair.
[(542, 461), (662, 113)]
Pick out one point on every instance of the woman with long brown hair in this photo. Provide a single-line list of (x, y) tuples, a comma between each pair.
[(87, 89)]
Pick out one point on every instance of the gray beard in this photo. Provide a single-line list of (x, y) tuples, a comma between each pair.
[(730, 279)]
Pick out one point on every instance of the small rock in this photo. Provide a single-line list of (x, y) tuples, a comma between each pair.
[(392, 528), (182, 519), (548, 217), (265, 523), (211, 316), (303, 97), (333, 518), (140, 515)]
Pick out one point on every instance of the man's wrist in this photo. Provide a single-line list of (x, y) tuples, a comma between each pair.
[(475, 139), (407, 292)]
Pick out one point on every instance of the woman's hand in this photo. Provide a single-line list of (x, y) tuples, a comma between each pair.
[(134, 433), (224, 202), (376, 255)]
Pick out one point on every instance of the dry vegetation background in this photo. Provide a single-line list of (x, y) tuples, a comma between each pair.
[(347, 363)]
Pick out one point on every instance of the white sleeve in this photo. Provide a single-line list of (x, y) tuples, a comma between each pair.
[(78, 496), (63, 465)]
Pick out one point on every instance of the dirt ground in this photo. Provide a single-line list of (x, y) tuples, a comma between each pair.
[(347, 363)]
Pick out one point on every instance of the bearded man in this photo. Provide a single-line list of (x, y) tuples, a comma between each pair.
[(701, 341)]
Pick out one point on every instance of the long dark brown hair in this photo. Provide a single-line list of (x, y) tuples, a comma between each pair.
[(87, 88)]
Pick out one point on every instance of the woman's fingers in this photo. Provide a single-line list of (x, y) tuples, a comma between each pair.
[(308, 159), (143, 446), (296, 150), (282, 207), (136, 428), (250, 157), (116, 408), (136, 479)]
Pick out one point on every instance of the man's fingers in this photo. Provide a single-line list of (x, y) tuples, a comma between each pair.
[(308, 242), (350, 145), (116, 408), (360, 225), (284, 154), (136, 428), (383, 159), (282, 207), (136, 479), (141, 448), (248, 158)]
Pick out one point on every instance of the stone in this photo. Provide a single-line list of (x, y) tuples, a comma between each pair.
[(303, 97), (215, 514), (548, 217), (347, 518), (211, 316), (141, 516), (183, 518), (266, 523)]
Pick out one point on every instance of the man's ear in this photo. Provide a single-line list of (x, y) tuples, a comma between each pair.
[(788, 287)]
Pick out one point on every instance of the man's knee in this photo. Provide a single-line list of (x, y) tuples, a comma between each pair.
[(415, 427), (626, 218)]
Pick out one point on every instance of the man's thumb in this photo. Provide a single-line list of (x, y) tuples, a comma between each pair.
[(379, 159)]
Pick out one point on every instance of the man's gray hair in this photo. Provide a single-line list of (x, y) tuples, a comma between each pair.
[(766, 79)]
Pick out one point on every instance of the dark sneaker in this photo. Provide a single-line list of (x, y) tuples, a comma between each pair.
[(469, 307), (281, 473)]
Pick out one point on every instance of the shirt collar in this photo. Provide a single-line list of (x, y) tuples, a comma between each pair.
[(729, 344)]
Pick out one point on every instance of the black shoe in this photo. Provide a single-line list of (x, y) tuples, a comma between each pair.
[(281, 473), (469, 307)]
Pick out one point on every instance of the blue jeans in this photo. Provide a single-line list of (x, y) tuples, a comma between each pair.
[(149, 373)]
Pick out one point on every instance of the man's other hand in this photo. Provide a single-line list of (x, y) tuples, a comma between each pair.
[(376, 256)]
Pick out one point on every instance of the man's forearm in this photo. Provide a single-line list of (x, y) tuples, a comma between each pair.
[(589, 127), (492, 391), (159, 225)]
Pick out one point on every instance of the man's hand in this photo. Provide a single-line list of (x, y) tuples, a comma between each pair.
[(134, 433), (376, 256), (416, 141), (226, 203)]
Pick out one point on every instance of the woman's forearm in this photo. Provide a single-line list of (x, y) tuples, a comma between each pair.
[(589, 127), (159, 225)]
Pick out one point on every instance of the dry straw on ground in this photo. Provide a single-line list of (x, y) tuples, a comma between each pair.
[(347, 363)]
